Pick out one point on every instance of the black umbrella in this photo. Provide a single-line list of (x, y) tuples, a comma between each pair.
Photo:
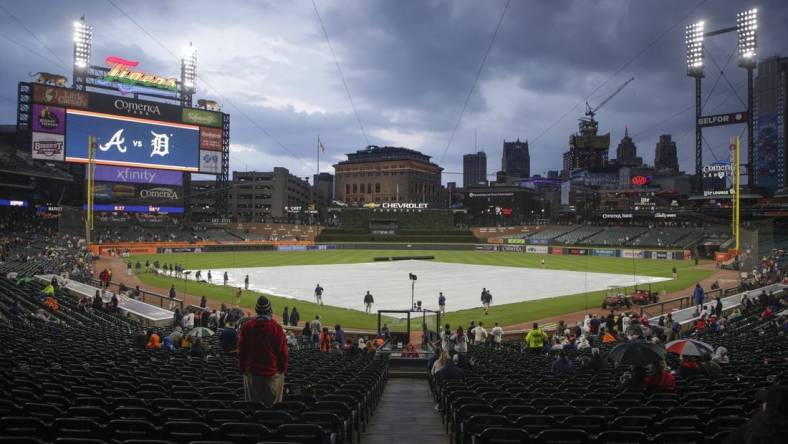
[(638, 353)]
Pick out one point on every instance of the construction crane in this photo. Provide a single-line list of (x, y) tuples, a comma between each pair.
[(588, 125)]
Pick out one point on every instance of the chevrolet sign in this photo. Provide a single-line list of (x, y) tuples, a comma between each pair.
[(723, 119)]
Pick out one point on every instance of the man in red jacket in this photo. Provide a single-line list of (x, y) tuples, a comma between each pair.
[(262, 355)]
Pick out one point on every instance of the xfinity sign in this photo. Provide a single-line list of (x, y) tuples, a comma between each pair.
[(723, 119)]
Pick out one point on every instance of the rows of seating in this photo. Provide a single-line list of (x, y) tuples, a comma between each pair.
[(83, 375), (614, 236), (575, 236), (663, 237), (513, 397)]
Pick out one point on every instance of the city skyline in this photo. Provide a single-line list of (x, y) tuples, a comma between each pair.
[(411, 73)]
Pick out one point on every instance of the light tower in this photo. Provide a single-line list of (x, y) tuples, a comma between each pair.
[(83, 43), (747, 31), (693, 36), (188, 74)]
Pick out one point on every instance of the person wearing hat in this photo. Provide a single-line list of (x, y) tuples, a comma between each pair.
[(262, 355), (770, 423)]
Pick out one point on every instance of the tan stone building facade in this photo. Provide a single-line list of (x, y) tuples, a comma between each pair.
[(387, 174)]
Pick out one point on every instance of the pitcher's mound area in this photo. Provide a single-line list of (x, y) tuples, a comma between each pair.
[(345, 284)]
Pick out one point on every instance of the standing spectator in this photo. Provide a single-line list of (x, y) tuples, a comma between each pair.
[(316, 326), (177, 318), (172, 296), (460, 341), (497, 334), (246, 281), (226, 278), (486, 300), (114, 303), (325, 340), (228, 338), (285, 317), (385, 332), (535, 338), (203, 301), (479, 335), (594, 325), (441, 303), (718, 307), (294, 317), (319, 294), (262, 356), (368, 301), (339, 334), (446, 339), (697, 295)]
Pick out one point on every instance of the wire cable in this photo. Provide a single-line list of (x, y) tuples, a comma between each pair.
[(341, 74), (475, 80), (35, 37), (621, 68), (216, 91)]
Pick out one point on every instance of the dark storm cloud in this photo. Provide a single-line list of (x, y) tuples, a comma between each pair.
[(409, 66)]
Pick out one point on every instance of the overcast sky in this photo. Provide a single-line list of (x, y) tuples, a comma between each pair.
[(409, 66)]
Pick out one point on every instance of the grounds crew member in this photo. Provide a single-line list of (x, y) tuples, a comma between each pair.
[(441, 303), (368, 301)]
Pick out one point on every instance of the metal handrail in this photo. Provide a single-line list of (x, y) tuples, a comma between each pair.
[(144, 294)]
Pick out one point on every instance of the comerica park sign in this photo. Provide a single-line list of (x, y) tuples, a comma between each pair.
[(723, 119)]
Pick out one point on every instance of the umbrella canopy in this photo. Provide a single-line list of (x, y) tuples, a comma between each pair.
[(638, 353), (201, 332), (689, 347)]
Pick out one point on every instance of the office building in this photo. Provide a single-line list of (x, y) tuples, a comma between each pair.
[(516, 160), (665, 156), (474, 169), (771, 96), (387, 174)]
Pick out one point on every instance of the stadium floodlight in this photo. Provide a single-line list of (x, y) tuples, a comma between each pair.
[(747, 29), (693, 37), (83, 42), (189, 66)]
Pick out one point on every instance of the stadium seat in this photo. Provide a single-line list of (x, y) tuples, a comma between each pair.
[(684, 437), (562, 436), (303, 433), (502, 435), (125, 429), (622, 437)]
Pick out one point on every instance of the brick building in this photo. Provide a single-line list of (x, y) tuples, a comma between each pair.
[(387, 174)]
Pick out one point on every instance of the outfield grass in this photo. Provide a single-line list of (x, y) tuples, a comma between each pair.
[(508, 314)]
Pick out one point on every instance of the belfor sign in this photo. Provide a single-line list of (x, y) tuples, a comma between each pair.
[(724, 119)]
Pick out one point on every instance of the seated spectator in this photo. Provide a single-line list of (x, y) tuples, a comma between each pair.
[(608, 338), (292, 341), (83, 304), (410, 352), (197, 349), (114, 302), (186, 343), (561, 364), (767, 313), (709, 367), (595, 361), (688, 366), (153, 342), (769, 424), (97, 304), (167, 344), (451, 370), (440, 362), (557, 345), (659, 378), (52, 303), (141, 340), (721, 356), (228, 338), (176, 337), (582, 343)]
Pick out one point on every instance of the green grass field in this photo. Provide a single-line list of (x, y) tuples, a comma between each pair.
[(508, 314)]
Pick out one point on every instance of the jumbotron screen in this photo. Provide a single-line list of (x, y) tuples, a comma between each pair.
[(129, 132)]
